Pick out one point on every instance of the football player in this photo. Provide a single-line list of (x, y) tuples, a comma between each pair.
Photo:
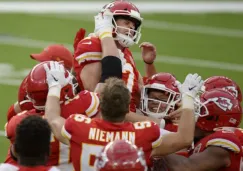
[(84, 102), (31, 146), (160, 96), (54, 52), (125, 30), (88, 136), (218, 141), (126, 155)]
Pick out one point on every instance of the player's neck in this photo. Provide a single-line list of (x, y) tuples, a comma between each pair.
[(116, 123), (32, 161), (119, 46), (201, 134)]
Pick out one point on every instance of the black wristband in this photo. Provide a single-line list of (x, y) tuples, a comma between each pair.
[(111, 67), (148, 63)]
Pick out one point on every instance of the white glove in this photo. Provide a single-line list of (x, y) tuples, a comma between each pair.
[(55, 76), (103, 24), (191, 86)]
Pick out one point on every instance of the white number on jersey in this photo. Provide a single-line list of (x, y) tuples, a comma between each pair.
[(89, 150)]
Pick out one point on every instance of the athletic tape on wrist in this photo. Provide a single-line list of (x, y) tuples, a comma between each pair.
[(55, 91), (187, 102)]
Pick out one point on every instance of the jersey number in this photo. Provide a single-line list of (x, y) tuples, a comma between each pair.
[(142, 125), (127, 69), (89, 151)]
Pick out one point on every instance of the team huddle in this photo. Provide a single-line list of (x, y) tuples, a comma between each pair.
[(93, 110)]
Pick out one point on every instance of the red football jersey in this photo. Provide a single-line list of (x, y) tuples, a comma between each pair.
[(59, 152), (228, 138), (85, 102), (89, 50), (9, 167), (88, 136)]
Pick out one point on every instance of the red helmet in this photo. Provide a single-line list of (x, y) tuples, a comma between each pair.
[(126, 10), (23, 100), (121, 155), (166, 83), (37, 88), (223, 83), (218, 108)]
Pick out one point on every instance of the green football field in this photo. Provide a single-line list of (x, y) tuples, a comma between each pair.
[(209, 44)]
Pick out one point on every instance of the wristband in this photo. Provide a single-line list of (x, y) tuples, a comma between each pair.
[(104, 35), (148, 62), (187, 102), (111, 67), (162, 123), (55, 91)]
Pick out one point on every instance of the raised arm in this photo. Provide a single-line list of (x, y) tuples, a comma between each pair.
[(56, 80), (213, 158), (183, 138)]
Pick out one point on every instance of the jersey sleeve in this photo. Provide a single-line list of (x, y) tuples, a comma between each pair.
[(88, 49), (92, 104), (85, 102), (72, 125), (152, 131), (226, 140)]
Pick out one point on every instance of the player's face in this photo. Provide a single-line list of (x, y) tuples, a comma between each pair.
[(125, 24), (158, 104)]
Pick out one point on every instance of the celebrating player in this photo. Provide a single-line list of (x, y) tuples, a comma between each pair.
[(87, 136), (219, 142), (160, 96), (125, 30), (31, 146), (54, 52), (84, 102)]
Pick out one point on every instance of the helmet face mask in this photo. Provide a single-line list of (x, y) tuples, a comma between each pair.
[(160, 95), (124, 35), (158, 107)]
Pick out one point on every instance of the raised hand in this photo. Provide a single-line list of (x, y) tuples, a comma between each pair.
[(103, 24), (55, 75), (148, 52), (191, 86)]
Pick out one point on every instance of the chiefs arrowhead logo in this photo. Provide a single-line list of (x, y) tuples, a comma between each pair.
[(223, 103), (232, 90)]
